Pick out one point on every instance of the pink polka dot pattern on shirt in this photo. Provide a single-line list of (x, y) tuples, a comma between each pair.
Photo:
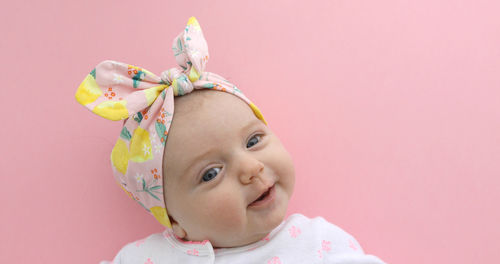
[(139, 242), (294, 231), (193, 252), (274, 260), (325, 246), (352, 245)]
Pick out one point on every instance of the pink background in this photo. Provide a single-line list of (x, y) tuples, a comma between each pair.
[(390, 109)]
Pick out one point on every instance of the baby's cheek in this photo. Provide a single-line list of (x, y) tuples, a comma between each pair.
[(280, 161), (225, 214)]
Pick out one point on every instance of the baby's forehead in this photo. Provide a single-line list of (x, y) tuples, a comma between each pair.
[(207, 113), (191, 101), (208, 105)]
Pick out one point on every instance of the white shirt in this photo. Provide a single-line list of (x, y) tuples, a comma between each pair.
[(298, 239)]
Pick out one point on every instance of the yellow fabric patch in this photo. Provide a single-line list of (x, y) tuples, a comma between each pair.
[(161, 216), (193, 22), (140, 146), (193, 75), (257, 112), (175, 87), (88, 91), (120, 156), (153, 92), (112, 110)]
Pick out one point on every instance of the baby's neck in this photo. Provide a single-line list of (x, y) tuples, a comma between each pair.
[(255, 239)]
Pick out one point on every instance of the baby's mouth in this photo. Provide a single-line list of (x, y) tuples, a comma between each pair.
[(262, 196)]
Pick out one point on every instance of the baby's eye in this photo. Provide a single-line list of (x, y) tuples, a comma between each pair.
[(252, 142), (210, 174)]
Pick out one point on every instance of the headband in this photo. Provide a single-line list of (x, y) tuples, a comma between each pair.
[(120, 91)]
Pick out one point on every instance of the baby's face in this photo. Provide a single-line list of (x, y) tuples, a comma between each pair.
[(219, 158)]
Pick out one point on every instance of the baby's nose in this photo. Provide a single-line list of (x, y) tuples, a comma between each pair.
[(250, 168)]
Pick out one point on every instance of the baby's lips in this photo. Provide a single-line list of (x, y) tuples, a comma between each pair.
[(261, 193)]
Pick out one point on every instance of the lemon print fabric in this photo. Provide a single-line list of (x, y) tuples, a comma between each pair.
[(120, 156), (161, 215), (88, 91), (108, 88), (153, 92), (140, 149), (140, 146), (112, 110)]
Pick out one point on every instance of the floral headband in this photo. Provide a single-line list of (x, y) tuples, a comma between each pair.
[(120, 91)]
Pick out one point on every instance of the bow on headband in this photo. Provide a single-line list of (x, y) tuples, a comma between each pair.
[(118, 91)]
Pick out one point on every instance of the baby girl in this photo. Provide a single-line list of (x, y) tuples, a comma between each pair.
[(214, 174)]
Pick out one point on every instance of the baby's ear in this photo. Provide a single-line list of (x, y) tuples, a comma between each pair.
[(178, 230)]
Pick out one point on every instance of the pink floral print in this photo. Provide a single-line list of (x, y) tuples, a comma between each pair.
[(294, 231), (352, 245), (193, 252), (110, 93), (140, 242), (325, 246), (274, 260)]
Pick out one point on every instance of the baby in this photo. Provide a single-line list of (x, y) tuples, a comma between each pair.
[(213, 173)]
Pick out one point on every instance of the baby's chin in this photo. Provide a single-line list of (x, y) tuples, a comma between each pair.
[(247, 240)]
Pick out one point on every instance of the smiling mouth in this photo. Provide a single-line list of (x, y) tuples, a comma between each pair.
[(263, 196)]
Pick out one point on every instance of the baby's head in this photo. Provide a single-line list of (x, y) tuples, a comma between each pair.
[(219, 158)]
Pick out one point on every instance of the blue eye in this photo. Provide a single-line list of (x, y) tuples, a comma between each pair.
[(210, 174), (251, 142)]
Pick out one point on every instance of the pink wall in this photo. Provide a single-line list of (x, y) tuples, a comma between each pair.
[(390, 109)]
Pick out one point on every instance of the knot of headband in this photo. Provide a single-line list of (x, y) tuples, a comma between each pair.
[(182, 84), (120, 91)]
